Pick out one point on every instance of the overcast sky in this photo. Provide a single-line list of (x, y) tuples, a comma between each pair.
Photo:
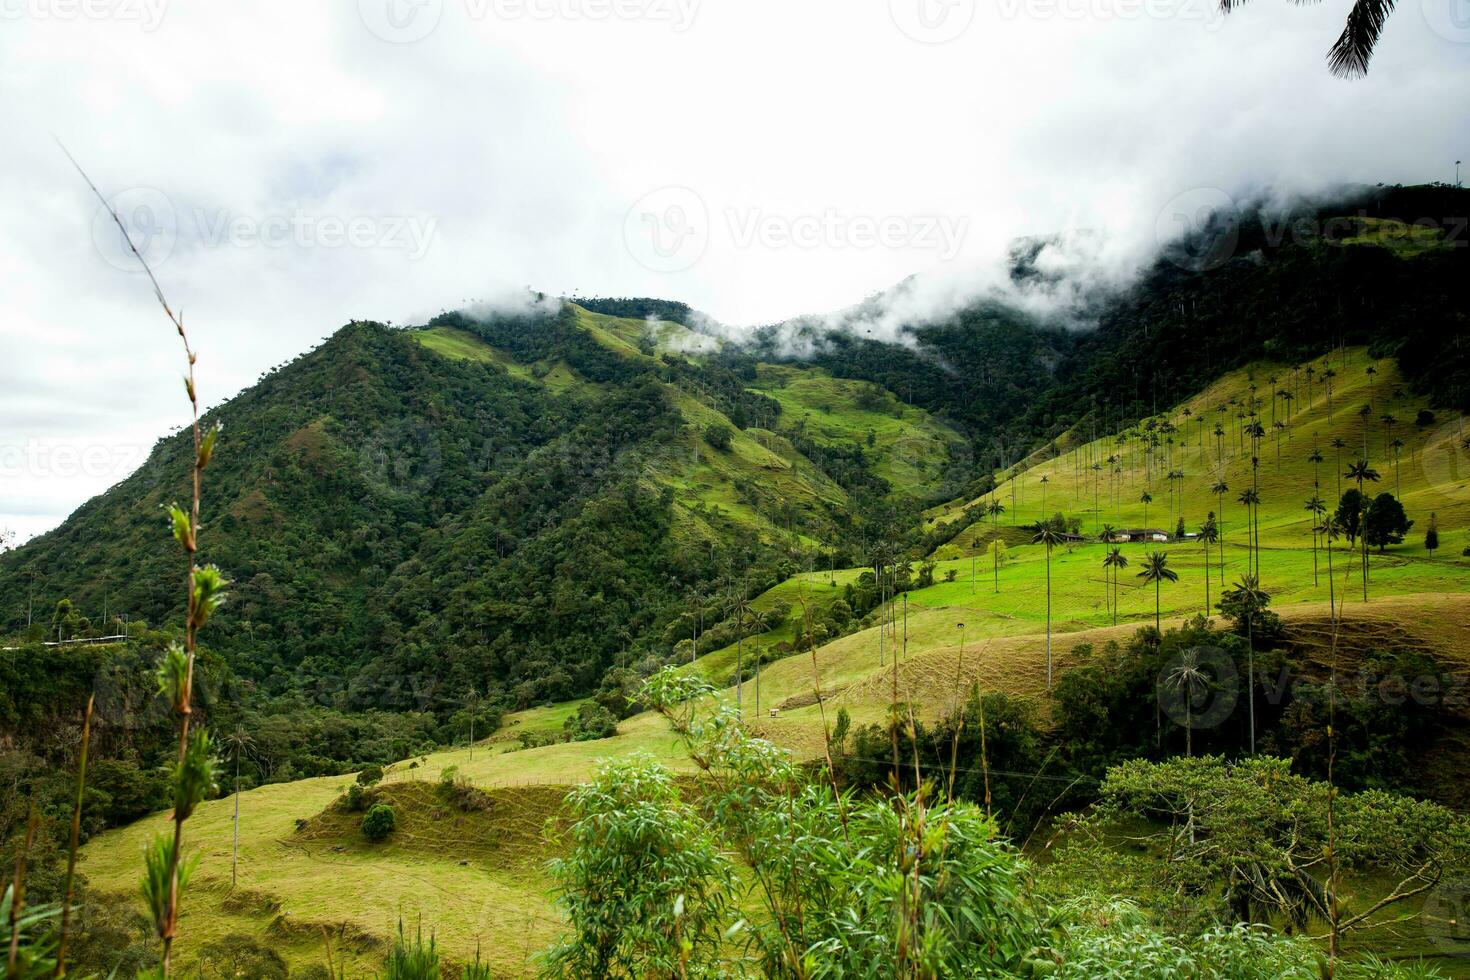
[(293, 165)]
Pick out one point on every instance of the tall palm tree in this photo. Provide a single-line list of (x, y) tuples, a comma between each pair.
[(1114, 560), (1316, 507), (1396, 446), (995, 509), (1362, 473), (1209, 533), (1316, 460), (1251, 596), (1044, 481), (1146, 498), (237, 743), (1338, 446), (1051, 537), (1220, 489), (1252, 501), (1330, 531), (1189, 679), (737, 602), (1156, 570)]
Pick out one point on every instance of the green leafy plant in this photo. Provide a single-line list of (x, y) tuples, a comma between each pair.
[(379, 822)]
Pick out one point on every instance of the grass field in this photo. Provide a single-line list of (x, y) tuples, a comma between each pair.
[(479, 880)]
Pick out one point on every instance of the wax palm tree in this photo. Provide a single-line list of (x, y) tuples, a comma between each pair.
[(1051, 537), (1251, 596), (1146, 498), (1044, 481), (1396, 446), (1252, 501), (1156, 570), (1329, 531), (1316, 507), (1220, 489), (1362, 473), (1316, 460), (995, 509), (1209, 533), (1338, 445), (1189, 678), (1115, 560), (237, 744), (737, 602)]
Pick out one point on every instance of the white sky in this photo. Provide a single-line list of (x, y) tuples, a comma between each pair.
[(310, 163)]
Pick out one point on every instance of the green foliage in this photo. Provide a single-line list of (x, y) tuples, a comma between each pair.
[(1385, 522), (159, 861), (36, 950), (718, 435), (370, 776), (847, 885), (412, 959), (378, 822), (645, 887), (1253, 838), (591, 721)]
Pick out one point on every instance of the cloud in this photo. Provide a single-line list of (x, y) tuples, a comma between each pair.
[(303, 169)]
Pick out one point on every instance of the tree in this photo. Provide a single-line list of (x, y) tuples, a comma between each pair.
[(1361, 472), (737, 601), (379, 822), (645, 887), (1146, 498), (1431, 535), (1315, 506), (1385, 523), (718, 435), (1051, 537), (1316, 460), (237, 743), (1252, 501), (1156, 570), (1209, 533), (1190, 680), (1115, 560), (997, 559), (1245, 602), (1220, 489), (1255, 835)]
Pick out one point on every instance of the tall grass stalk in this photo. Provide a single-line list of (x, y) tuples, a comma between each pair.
[(204, 591)]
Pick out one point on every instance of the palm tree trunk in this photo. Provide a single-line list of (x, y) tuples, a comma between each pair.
[(1048, 617), (1251, 672)]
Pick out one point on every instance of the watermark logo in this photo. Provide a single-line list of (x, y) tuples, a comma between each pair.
[(36, 458), (1198, 688), (831, 229), (157, 228), (1199, 229), (1450, 19), (1444, 458), (1446, 917), (667, 230), (151, 223), (147, 14), (932, 21), (400, 21)]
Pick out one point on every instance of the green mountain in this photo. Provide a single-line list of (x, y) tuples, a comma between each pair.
[(516, 502), (511, 501)]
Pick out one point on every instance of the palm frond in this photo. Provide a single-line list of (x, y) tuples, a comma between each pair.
[(1349, 56)]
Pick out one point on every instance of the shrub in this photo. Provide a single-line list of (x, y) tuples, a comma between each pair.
[(370, 776), (718, 435), (358, 798), (379, 822)]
